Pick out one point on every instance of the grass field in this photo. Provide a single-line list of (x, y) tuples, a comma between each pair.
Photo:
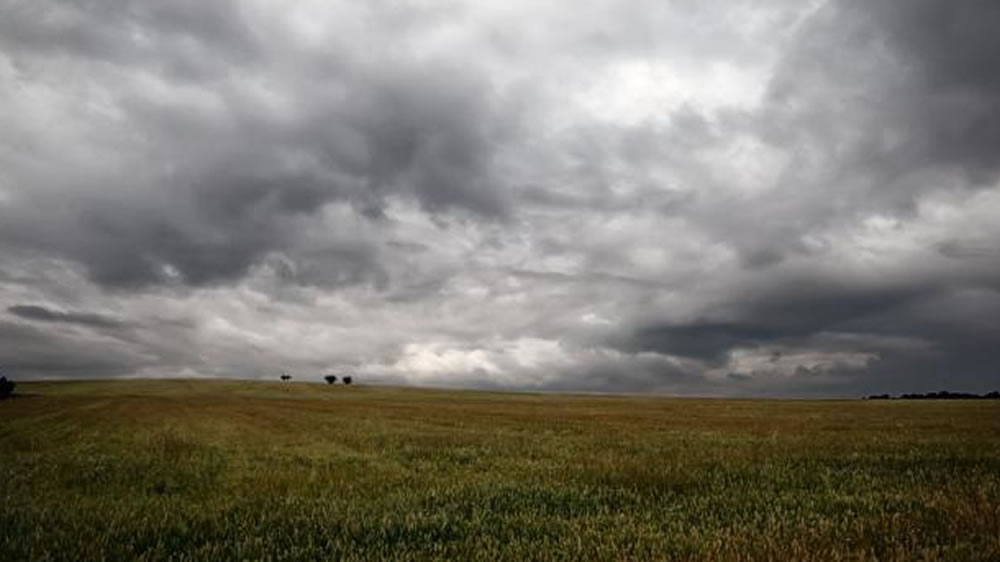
[(208, 470)]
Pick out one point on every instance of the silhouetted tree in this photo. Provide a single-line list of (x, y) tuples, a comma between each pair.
[(286, 377), (6, 388), (330, 379), (348, 380)]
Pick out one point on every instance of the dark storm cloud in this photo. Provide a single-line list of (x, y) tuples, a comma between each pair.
[(952, 47), (921, 335), (718, 197), (958, 336), (876, 105), (43, 314), (920, 80), (33, 352), (880, 103), (213, 180), (787, 310)]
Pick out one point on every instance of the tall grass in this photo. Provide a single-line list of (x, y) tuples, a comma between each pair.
[(226, 470)]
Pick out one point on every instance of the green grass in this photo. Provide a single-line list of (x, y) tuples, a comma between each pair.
[(208, 470)]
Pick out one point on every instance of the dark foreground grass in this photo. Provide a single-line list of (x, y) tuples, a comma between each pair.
[(226, 470)]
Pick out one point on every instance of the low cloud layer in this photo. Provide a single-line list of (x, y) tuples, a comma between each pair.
[(726, 198)]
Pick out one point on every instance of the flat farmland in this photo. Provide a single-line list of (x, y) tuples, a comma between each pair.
[(219, 470)]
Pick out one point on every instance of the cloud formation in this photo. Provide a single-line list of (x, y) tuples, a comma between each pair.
[(732, 198), (35, 312)]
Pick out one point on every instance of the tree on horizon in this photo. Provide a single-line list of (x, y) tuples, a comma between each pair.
[(6, 388)]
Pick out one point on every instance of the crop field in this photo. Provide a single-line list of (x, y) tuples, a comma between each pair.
[(209, 470)]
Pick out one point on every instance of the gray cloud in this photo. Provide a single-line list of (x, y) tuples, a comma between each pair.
[(41, 313), (879, 105), (31, 352), (213, 170), (754, 198)]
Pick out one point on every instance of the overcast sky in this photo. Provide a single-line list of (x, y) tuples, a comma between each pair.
[(731, 197)]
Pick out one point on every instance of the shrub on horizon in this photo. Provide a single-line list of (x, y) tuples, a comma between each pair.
[(6, 388)]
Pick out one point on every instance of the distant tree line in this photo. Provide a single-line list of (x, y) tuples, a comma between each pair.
[(942, 395)]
